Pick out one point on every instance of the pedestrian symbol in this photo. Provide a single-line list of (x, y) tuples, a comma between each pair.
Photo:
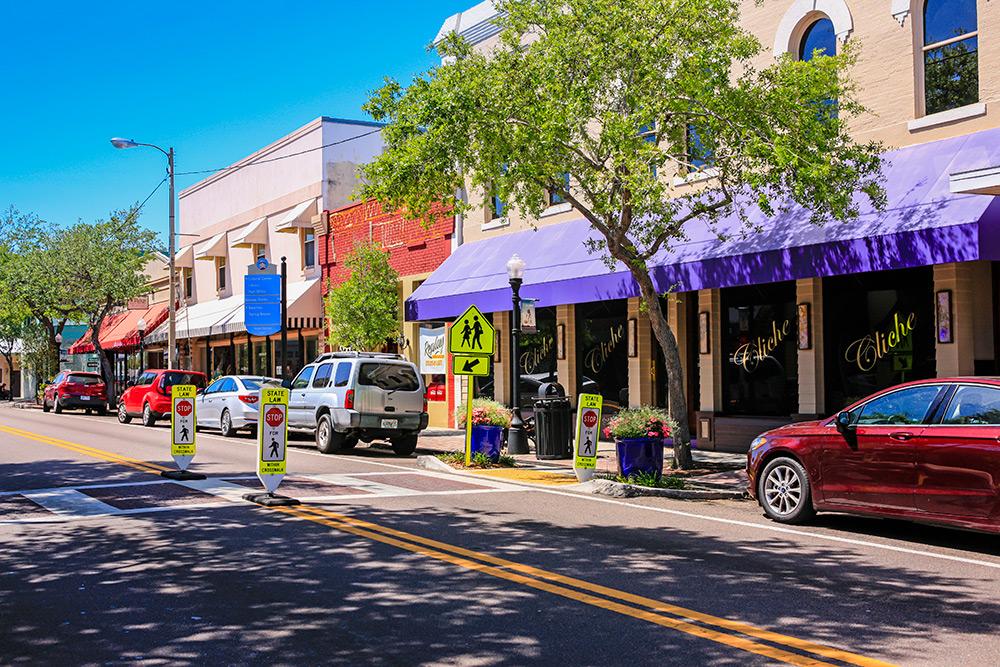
[(472, 333)]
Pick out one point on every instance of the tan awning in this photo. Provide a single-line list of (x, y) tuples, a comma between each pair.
[(255, 232), (184, 259), (212, 248), (298, 217)]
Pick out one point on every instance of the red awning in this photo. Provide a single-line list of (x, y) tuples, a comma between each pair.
[(120, 332)]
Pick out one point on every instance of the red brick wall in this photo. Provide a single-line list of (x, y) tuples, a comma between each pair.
[(413, 249)]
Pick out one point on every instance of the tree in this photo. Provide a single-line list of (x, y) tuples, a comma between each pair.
[(36, 352), (363, 311), (579, 87), (13, 317), (106, 272)]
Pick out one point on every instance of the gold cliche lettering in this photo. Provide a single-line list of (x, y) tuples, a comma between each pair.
[(750, 355), (867, 351)]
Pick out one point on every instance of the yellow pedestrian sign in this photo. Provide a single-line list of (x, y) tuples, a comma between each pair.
[(272, 438), (182, 424), (588, 434), (469, 365), (472, 333)]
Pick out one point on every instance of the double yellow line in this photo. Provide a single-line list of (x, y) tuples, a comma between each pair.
[(735, 634)]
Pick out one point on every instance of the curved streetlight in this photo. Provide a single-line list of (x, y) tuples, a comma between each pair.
[(517, 443), (120, 142)]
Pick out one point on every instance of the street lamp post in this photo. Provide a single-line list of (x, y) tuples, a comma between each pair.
[(141, 329), (118, 142), (59, 340), (517, 443)]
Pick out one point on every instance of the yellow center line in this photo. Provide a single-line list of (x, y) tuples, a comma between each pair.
[(656, 605), (87, 451), (734, 641)]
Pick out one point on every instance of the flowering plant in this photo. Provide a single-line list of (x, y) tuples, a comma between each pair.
[(644, 422), (485, 413)]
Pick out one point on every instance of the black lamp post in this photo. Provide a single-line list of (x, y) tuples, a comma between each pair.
[(517, 443), (141, 328)]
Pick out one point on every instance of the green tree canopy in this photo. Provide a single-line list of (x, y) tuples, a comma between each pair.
[(580, 86), (363, 311)]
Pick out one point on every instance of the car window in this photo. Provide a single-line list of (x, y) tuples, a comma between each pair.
[(172, 378), (906, 406), (228, 384), (302, 381), (395, 377), (974, 405), (145, 379), (253, 384), (322, 378), (57, 379), (343, 375), (79, 378)]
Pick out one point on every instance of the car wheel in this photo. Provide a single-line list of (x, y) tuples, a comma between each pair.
[(784, 491), (57, 406), (328, 440), (404, 445), (350, 442), (123, 416), (45, 406), (147, 416), (252, 430), (226, 424)]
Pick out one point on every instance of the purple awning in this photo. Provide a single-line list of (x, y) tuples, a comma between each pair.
[(924, 224)]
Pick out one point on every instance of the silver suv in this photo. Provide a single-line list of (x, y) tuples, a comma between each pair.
[(350, 396)]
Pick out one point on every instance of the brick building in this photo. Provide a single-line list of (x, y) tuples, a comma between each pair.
[(415, 250)]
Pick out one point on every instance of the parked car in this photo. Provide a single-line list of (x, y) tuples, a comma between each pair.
[(231, 403), (148, 396), (344, 397), (76, 390), (927, 451)]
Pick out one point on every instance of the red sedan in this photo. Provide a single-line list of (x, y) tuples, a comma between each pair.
[(76, 390), (926, 451), (148, 396)]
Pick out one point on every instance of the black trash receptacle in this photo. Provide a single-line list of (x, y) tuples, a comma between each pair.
[(553, 428)]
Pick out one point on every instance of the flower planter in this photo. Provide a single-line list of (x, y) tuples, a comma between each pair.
[(487, 440), (636, 455)]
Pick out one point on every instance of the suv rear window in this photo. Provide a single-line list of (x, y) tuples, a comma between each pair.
[(79, 378), (175, 377), (395, 377)]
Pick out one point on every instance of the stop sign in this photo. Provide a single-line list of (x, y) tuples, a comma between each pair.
[(274, 417), (184, 408), (590, 419)]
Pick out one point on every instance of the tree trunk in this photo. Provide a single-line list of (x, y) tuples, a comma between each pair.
[(107, 372), (9, 358), (672, 359)]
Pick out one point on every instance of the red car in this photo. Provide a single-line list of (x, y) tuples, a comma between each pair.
[(148, 396), (76, 390), (927, 451)]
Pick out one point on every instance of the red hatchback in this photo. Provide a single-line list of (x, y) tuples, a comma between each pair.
[(76, 390), (926, 451), (148, 396)]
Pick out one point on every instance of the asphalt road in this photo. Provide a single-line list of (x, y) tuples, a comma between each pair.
[(104, 562)]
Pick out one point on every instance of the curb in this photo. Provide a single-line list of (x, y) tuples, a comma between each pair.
[(607, 487), (428, 462)]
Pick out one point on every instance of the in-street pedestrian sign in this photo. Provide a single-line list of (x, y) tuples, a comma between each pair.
[(272, 438), (472, 333), (183, 424), (469, 365), (588, 433)]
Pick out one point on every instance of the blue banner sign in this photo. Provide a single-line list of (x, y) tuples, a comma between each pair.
[(262, 305)]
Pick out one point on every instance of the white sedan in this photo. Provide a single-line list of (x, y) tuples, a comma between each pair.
[(231, 402)]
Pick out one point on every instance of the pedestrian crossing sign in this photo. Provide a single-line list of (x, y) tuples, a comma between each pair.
[(588, 435), (183, 422), (472, 333), (272, 437)]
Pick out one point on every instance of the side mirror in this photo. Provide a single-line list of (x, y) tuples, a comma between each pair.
[(130, 383), (287, 384), (845, 423)]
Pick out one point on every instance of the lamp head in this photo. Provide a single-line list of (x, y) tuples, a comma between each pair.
[(59, 339), (119, 142), (141, 325), (515, 267)]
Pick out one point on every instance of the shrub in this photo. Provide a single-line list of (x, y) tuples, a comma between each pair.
[(485, 413), (644, 422)]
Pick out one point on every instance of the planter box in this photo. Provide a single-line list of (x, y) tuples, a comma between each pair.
[(637, 455), (487, 440)]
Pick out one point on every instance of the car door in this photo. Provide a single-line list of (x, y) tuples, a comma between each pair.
[(297, 397), (228, 391), (320, 385), (875, 466), (958, 460), (208, 414), (136, 394)]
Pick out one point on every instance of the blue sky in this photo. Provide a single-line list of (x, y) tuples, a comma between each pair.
[(216, 79)]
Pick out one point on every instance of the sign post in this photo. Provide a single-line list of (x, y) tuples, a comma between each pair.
[(183, 431), (588, 432), (472, 342), (272, 447)]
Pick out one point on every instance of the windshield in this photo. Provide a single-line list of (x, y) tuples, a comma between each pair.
[(255, 383), (79, 378), (391, 377), (176, 377)]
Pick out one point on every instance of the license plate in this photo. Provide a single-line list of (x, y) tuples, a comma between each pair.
[(85, 398), (390, 423)]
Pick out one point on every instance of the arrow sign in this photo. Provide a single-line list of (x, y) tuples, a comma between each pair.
[(469, 365)]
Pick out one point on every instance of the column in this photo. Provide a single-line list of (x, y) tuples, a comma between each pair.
[(566, 367), (710, 368), (958, 357), (812, 381), (501, 368), (642, 367)]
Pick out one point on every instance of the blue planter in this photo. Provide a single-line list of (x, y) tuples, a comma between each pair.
[(487, 440), (637, 455)]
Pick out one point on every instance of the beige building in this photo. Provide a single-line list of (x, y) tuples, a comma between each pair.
[(797, 321)]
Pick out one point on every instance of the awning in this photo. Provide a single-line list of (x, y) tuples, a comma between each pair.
[(212, 248), (224, 316), (923, 224), (300, 216), (120, 332), (255, 232), (184, 259)]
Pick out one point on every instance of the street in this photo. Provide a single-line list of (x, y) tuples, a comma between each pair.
[(386, 563)]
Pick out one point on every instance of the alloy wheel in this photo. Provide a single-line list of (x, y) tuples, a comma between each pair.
[(783, 490)]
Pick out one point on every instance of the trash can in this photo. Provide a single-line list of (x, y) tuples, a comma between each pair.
[(553, 423)]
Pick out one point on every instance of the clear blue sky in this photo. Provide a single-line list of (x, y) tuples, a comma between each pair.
[(216, 79)]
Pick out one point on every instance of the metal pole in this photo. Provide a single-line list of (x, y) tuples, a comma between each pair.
[(517, 443), (172, 318), (284, 319)]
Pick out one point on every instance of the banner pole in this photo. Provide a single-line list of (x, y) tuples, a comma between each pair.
[(468, 422)]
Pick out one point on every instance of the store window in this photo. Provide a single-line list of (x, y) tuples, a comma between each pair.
[(308, 249), (879, 332), (537, 355), (260, 364), (699, 156), (311, 349), (553, 196), (951, 55), (220, 274), (188, 284), (760, 373), (648, 134), (242, 359), (819, 39), (602, 351), (259, 251)]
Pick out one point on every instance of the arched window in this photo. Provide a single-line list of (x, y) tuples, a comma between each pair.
[(951, 55), (818, 39)]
